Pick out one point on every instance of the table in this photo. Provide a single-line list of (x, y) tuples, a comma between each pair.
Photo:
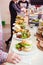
[(33, 59)]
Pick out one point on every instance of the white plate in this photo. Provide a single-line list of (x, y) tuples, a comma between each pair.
[(31, 52), (33, 16), (15, 37)]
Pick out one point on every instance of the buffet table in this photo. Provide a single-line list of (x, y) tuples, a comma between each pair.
[(35, 57)]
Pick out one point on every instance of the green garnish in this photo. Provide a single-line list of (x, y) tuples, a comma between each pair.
[(37, 20), (25, 34), (20, 45), (22, 25)]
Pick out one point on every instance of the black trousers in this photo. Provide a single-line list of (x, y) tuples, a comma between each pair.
[(11, 24)]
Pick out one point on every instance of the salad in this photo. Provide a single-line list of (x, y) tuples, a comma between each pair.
[(24, 34), (23, 46), (35, 20)]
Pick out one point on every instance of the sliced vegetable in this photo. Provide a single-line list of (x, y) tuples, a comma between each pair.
[(21, 46)]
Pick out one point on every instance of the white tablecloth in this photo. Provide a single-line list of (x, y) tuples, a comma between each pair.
[(34, 58)]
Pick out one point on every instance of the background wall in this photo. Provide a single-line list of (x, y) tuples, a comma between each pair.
[(4, 7)]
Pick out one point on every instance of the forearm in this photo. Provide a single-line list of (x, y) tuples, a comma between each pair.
[(16, 8), (3, 56)]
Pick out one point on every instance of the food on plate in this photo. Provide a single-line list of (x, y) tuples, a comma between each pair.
[(17, 28), (35, 20), (24, 34), (41, 23), (41, 43), (39, 33), (20, 20), (40, 30), (21, 24), (31, 11), (23, 46), (20, 17)]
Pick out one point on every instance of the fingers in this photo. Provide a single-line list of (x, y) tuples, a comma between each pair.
[(13, 58), (16, 58), (14, 62)]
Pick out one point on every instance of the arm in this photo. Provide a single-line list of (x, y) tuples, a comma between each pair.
[(3, 56), (19, 3), (16, 7), (1, 35)]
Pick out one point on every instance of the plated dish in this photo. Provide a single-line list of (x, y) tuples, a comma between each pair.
[(35, 20), (20, 17), (33, 16), (24, 34), (40, 31), (19, 24), (24, 48), (39, 36)]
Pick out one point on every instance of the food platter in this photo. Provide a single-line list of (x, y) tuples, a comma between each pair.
[(26, 35)]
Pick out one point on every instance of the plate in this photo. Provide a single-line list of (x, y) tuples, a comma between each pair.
[(31, 52), (32, 16), (15, 37)]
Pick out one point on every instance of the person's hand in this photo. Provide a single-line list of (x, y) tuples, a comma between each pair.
[(13, 58), (23, 9)]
